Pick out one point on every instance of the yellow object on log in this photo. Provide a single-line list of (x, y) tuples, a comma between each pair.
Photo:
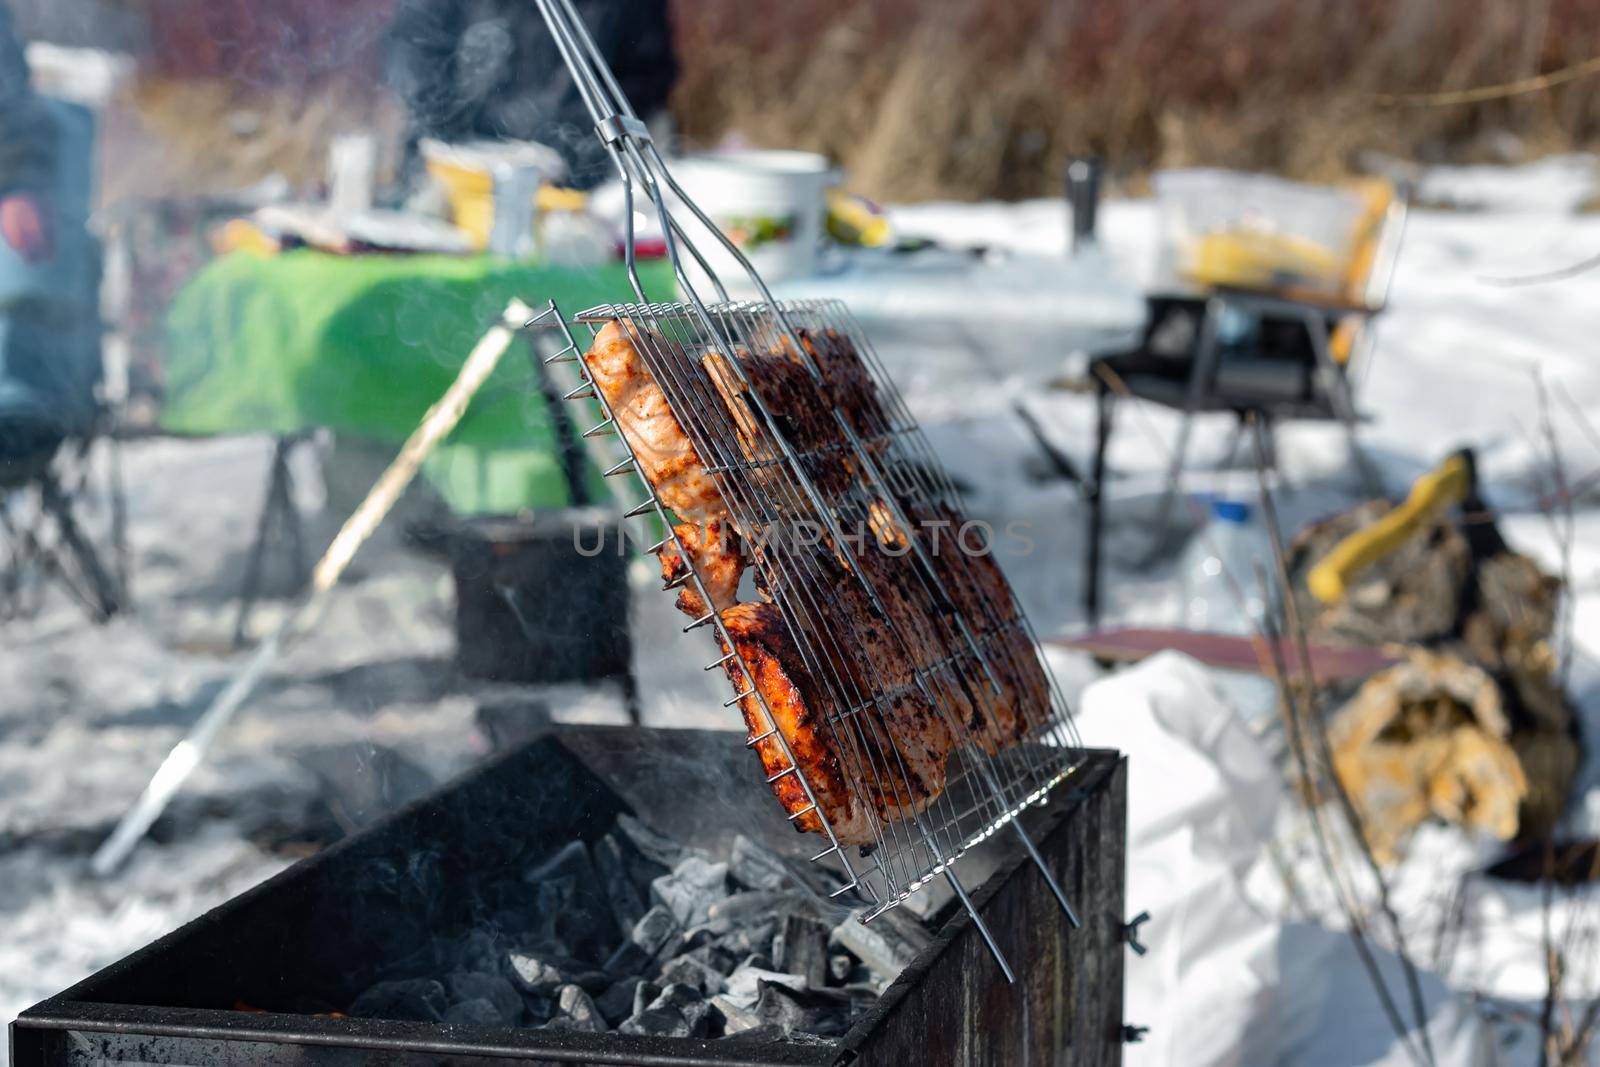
[(1435, 491), (1429, 739)]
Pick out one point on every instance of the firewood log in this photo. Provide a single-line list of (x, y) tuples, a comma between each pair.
[(1473, 728)]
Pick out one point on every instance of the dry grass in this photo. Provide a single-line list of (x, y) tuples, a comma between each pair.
[(979, 98), (202, 136), (232, 91), (973, 98)]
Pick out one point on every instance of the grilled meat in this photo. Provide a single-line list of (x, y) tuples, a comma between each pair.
[(871, 764), (799, 707), (862, 658), (664, 452), (801, 414), (714, 550), (979, 591)]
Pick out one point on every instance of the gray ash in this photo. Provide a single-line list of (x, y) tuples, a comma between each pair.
[(637, 934)]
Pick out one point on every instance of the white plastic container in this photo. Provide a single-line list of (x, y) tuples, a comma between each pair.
[(1254, 231), (771, 204), (352, 171)]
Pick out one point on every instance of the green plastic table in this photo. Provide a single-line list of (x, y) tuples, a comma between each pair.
[(362, 345)]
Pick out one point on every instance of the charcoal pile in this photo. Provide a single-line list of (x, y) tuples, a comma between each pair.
[(637, 934)]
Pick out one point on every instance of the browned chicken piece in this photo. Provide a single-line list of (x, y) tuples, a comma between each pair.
[(891, 748), (715, 552), (979, 590), (845, 377), (666, 456), (921, 745), (873, 661), (799, 706), (999, 720)]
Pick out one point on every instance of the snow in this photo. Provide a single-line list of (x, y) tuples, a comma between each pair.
[(1554, 184), (86, 713)]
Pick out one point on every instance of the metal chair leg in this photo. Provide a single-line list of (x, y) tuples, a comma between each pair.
[(278, 507), (630, 698), (1096, 500), (289, 519), (1059, 460), (1234, 440), (13, 548), (103, 598), (1200, 378), (119, 517)]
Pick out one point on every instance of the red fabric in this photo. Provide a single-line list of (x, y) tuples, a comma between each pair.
[(26, 227)]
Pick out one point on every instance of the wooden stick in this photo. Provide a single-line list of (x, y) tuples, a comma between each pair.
[(435, 426)]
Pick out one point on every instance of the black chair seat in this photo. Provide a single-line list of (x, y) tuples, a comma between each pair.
[(1276, 367)]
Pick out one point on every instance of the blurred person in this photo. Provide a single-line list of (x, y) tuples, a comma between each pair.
[(49, 271), (27, 152), (489, 69)]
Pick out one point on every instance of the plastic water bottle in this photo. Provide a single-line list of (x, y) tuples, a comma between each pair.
[(1222, 593)]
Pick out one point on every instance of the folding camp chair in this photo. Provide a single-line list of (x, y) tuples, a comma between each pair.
[(43, 537), (53, 408), (1270, 356)]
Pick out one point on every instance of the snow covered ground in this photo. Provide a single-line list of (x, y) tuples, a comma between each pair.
[(368, 713)]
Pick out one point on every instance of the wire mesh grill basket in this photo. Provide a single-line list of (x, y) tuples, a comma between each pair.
[(891, 683)]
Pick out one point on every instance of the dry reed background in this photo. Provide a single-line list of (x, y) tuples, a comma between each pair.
[(972, 98), (988, 98)]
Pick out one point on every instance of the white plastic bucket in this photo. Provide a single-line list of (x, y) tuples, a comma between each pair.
[(769, 203)]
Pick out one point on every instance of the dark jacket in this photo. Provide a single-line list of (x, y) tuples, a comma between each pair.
[(470, 69), (27, 133)]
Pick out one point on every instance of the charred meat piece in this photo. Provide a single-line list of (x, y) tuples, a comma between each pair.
[(788, 420), (979, 591), (846, 379)]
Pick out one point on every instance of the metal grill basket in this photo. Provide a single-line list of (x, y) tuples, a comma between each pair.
[(855, 537)]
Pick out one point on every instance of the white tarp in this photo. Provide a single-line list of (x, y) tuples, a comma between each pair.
[(1233, 979), (1203, 797)]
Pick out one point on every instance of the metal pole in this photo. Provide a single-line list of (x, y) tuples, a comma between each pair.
[(1083, 193)]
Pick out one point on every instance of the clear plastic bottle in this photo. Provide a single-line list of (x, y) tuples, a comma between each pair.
[(1222, 592)]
